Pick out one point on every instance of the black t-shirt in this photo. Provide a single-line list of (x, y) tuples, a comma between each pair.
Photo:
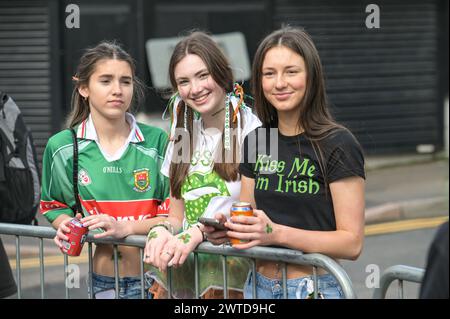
[(435, 281), (291, 189)]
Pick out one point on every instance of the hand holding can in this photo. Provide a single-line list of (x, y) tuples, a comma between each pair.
[(77, 237), (240, 209)]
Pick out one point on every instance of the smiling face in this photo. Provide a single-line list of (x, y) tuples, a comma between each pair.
[(196, 85), (110, 89), (284, 79)]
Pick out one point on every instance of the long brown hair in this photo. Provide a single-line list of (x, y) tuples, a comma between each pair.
[(202, 45), (105, 50), (315, 118)]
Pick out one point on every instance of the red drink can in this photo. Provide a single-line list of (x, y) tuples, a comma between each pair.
[(77, 236), (240, 209)]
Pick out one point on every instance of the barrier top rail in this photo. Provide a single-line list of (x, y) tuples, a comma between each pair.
[(267, 253), (397, 272)]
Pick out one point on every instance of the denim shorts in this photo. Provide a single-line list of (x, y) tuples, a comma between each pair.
[(129, 287), (297, 288)]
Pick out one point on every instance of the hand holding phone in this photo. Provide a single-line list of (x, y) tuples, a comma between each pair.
[(212, 222)]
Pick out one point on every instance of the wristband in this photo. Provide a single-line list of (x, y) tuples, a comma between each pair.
[(203, 234), (168, 226)]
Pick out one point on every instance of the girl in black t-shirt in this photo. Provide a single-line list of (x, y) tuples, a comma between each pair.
[(308, 194)]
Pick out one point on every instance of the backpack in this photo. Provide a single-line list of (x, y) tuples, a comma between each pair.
[(19, 176)]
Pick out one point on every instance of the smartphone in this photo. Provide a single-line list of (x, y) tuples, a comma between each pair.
[(212, 222)]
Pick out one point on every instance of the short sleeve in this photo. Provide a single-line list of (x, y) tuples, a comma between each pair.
[(57, 190), (248, 156), (344, 156), (165, 167), (164, 206)]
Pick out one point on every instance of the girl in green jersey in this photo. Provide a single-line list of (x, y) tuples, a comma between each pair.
[(120, 186)]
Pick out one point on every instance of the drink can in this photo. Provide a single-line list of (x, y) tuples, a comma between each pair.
[(240, 209), (77, 236)]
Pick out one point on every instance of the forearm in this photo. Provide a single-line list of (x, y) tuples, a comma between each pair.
[(176, 223), (176, 214), (141, 227), (336, 244), (196, 235), (347, 240), (60, 219), (144, 226)]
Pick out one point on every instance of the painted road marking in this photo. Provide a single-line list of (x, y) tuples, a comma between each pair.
[(404, 225), (58, 260)]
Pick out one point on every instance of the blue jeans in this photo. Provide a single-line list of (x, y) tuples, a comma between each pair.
[(297, 288), (129, 287)]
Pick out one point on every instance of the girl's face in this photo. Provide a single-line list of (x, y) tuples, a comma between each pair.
[(283, 78), (110, 88), (197, 87)]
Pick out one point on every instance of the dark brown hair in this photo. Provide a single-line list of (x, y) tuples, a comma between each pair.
[(315, 118), (105, 50), (202, 45)]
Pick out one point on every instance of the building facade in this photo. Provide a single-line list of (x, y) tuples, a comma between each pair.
[(388, 84)]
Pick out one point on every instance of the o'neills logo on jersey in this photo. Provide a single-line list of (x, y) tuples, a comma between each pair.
[(83, 178), (141, 180)]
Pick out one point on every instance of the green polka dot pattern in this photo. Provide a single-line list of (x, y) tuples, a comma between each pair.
[(195, 208)]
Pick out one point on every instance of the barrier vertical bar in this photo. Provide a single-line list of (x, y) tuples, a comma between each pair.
[(225, 277), (169, 282), (316, 285), (19, 282), (284, 274), (41, 266), (400, 289), (66, 259), (196, 274), (91, 270), (254, 293), (116, 271), (141, 258)]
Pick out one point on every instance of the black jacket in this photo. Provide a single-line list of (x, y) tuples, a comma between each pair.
[(7, 284), (435, 281)]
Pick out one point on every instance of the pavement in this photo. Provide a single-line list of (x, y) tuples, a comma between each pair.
[(406, 187), (397, 187)]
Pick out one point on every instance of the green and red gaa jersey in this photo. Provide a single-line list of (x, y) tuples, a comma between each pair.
[(127, 186)]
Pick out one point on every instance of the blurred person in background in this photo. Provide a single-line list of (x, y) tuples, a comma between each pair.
[(435, 281), (7, 284)]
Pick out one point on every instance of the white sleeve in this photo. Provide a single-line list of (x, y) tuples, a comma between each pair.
[(165, 167), (251, 122)]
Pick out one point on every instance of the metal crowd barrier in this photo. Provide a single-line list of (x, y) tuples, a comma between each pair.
[(276, 254), (401, 273)]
